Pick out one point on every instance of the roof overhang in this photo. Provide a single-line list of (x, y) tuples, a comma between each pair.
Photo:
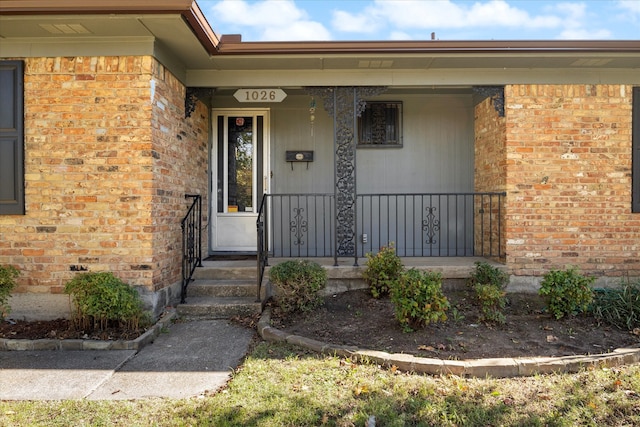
[(178, 34)]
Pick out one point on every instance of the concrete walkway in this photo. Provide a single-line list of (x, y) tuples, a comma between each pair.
[(188, 359)]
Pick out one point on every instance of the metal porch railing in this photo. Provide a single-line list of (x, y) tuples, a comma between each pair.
[(419, 225), (191, 226)]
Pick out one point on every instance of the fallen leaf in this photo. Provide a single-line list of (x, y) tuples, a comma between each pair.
[(361, 390), (394, 368), (426, 347), (552, 338), (636, 331), (442, 347), (548, 328)]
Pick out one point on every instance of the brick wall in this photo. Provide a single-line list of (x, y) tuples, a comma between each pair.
[(490, 174), (180, 153), (108, 158), (568, 163)]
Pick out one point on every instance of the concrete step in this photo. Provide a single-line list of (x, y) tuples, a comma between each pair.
[(222, 288), (225, 273), (207, 307)]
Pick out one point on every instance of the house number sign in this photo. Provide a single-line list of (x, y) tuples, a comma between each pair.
[(260, 95)]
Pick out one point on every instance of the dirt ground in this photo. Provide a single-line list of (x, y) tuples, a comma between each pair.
[(61, 329), (355, 318)]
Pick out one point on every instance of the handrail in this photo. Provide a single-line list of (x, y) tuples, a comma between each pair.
[(262, 254), (191, 226)]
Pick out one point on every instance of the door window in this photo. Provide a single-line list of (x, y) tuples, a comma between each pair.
[(240, 164)]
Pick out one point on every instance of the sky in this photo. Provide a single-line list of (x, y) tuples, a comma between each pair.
[(304, 20)]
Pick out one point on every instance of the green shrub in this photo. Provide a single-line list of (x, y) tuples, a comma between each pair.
[(8, 276), (299, 285), (488, 283), (492, 301), (383, 270), (487, 274), (619, 307), (418, 299), (566, 292), (102, 300)]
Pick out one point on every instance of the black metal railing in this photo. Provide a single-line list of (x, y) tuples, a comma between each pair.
[(262, 254), (419, 225), (191, 242)]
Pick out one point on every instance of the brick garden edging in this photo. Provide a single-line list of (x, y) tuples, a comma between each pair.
[(8, 344), (495, 367)]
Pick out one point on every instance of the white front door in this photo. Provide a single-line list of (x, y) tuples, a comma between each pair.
[(239, 159)]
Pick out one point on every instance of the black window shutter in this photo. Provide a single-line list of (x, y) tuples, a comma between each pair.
[(635, 162), (11, 138)]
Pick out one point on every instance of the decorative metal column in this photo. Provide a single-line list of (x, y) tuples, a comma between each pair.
[(345, 104)]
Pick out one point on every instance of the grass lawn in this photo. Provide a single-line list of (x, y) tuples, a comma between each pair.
[(280, 385)]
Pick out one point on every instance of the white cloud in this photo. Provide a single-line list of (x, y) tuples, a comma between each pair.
[(365, 22), (446, 14), (400, 35), (576, 23), (270, 20), (584, 34), (632, 6), (300, 30)]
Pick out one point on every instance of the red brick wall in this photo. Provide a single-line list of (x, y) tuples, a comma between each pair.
[(180, 167), (108, 158), (568, 163), (490, 175)]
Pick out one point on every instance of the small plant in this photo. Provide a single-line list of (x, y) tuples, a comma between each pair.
[(8, 276), (456, 315), (619, 307), (102, 300), (383, 270), (418, 299), (486, 273), (492, 301), (566, 292), (299, 285)]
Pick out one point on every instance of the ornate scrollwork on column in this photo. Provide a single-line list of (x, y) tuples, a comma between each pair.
[(496, 93), (195, 94), (345, 104)]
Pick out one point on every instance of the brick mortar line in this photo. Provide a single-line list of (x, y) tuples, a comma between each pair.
[(492, 367)]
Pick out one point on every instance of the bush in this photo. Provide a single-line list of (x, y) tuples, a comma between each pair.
[(299, 285), (488, 283), (383, 270), (418, 299), (8, 276), (102, 300), (619, 307), (566, 292), (492, 301), (487, 274)]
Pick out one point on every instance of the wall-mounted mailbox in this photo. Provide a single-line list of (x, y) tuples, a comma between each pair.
[(299, 156)]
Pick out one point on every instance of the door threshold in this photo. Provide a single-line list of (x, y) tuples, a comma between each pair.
[(231, 256)]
